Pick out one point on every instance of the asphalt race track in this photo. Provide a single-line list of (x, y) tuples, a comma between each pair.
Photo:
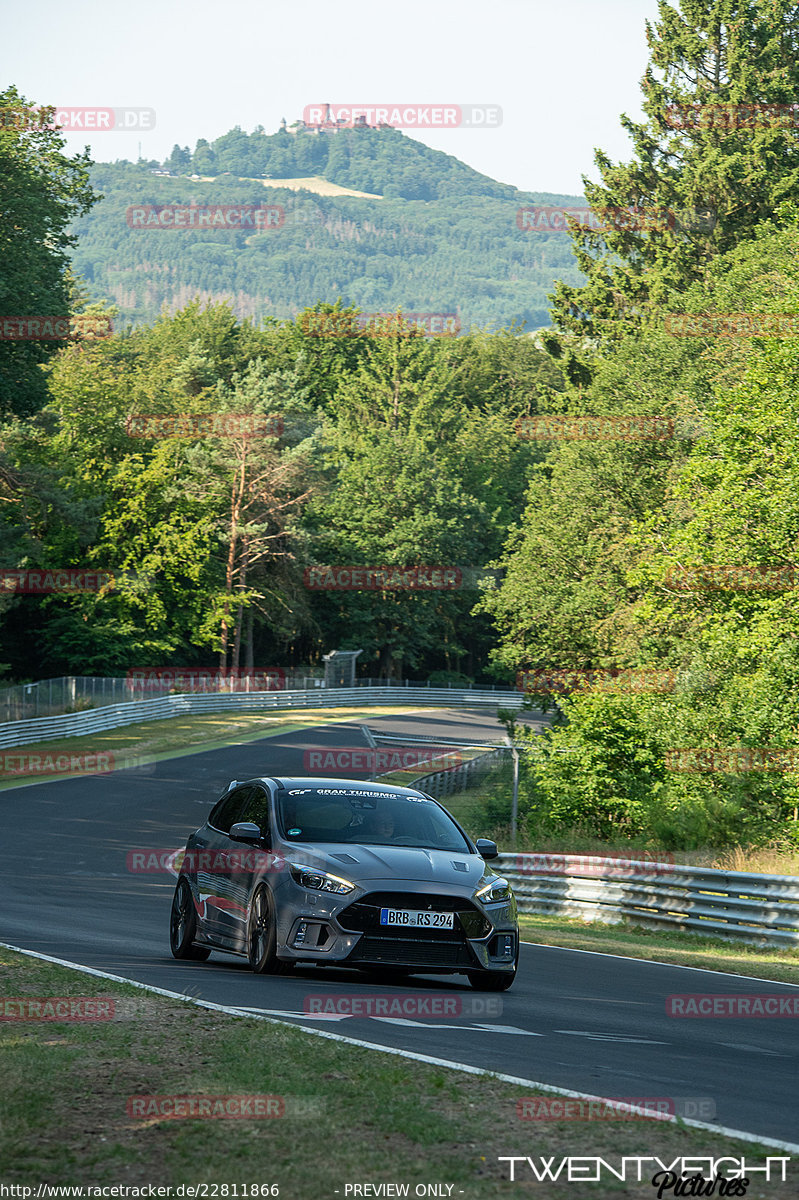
[(587, 1022)]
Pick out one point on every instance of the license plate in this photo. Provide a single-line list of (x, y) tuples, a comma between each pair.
[(416, 919)]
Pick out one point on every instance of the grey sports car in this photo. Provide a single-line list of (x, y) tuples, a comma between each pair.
[(345, 872)]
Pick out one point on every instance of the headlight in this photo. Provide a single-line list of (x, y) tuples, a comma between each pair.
[(319, 881), (496, 889)]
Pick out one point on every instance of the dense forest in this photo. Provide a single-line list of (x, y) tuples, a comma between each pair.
[(403, 450)]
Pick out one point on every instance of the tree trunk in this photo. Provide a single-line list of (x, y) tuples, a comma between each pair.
[(248, 639), (236, 495), (245, 559)]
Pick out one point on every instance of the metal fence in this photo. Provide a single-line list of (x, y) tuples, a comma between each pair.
[(20, 733), (455, 779), (78, 693), (735, 905)]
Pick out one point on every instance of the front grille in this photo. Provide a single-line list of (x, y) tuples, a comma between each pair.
[(407, 952), (363, 916)]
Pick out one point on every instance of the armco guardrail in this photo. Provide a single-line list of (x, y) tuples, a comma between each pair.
[(455, 779), (20, 733), (738, 905), (78, 693)]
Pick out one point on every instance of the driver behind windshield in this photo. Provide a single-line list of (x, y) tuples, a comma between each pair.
[(379, 825)]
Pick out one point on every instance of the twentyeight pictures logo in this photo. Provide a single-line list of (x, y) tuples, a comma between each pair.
[(640, 1168), (403, 116)]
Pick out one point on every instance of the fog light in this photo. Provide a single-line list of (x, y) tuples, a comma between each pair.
[(299, 936), (503, 946)]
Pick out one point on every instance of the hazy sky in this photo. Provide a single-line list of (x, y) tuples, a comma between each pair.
[(561, 70)]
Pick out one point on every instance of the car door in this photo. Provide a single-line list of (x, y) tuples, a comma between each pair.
[(244, 863), (214, 876)]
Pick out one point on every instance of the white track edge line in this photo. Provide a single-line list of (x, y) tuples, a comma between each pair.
[(656, 962), (464, 1068)]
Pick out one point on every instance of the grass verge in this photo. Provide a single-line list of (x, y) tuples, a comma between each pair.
[(351, 1115), (683, 949)]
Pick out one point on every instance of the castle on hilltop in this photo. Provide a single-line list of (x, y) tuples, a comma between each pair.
[(328, 125)]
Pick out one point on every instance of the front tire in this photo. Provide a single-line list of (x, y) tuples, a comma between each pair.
[(262, 935), (183, 926), (494, 981)]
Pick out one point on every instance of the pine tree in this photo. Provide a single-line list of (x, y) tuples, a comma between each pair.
[(705, 171)]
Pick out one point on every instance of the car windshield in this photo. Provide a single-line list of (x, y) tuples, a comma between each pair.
[(344, 815)]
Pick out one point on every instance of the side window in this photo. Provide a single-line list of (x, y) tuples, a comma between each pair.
[(256, 809), (226, 812)]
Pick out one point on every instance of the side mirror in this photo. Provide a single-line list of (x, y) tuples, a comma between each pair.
[(245, 831), (486, 848)]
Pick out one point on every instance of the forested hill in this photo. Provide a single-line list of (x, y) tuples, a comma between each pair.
[(438, 237), (383, 160)]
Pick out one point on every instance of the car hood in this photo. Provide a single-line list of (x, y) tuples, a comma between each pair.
[(361, 863)]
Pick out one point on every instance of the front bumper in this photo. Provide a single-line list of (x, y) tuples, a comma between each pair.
[(320, 928)]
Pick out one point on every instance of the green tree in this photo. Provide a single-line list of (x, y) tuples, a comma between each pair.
[(718, 180), (41, 192)]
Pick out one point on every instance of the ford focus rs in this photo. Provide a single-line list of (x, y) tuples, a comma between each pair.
[(343, 872)]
